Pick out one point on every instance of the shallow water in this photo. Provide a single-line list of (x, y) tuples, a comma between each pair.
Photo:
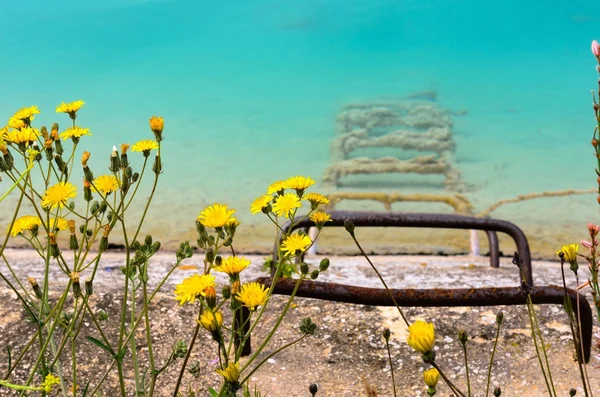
[(250, 90)]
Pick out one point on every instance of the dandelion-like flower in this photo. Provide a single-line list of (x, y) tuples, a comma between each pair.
[(285, 204), (421, 336), (70, 108), (106, 184), (315, 199), (193, 288), (260, 203), (232, 266), (299, 183), (431, 377), (231, 373), (216, 215), (25, 115), (276, 187), (296, 243), (320, 218), (74, 132), (49, 382), (569, 252), (252, 295), (60, 224), (145, 146), (211, 321), (58, 195), (24, 135), (24, 223)]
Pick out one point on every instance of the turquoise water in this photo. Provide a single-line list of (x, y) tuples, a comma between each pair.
[(249, 90)]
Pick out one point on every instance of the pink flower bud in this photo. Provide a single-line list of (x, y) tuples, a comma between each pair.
[(593, 229), (586, 244), (595, 48)]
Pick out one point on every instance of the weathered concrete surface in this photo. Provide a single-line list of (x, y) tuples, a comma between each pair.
[(348, 345)]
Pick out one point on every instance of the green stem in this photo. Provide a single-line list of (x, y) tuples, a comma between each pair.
[(134, 360), (489, 375), (464, 349), (187, 357), (387, 346), (153, 373), (448, 382), (380, 278), (271, 355), (275, 327)]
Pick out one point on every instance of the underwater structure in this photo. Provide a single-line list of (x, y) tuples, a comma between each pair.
[(411, 125)]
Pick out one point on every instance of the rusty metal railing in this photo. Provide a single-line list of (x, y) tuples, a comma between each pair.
[(439, 297)]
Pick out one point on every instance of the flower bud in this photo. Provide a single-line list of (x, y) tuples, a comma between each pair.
[(115, 163), (93, 209), (313, 389), (157, 166), (572, 392), (73, 243), (211, 297), (8, 160), (463, 337), (36, 288), (226, 292), (54, 251), (156, 125), (314, 274), (124, 160), (304, 268), (349, 225), (386, 334), (497, 392), (87, 190), (76, 284), (595, 48), (84, 159), (324, 265), (499, 318), (89, 287), (44, 132), (103, 207)]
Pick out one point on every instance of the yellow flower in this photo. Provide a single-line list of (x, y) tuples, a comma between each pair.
[(421, 336), (276, 187), (211, 321), (431, 377), (49, 383), (260, 203), (24, 135), (61, 224), (232, 265), (16, 123), (145, 146), (27, 222), (57, 195), (74, 132), (106, 184), (320, 218), (70, 108), (570, 252), (252, 295), (316, 199), (296, 243), (231, 373), (284, 205), (25, 115), (216, 215), (193, 287), (299, 183)]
